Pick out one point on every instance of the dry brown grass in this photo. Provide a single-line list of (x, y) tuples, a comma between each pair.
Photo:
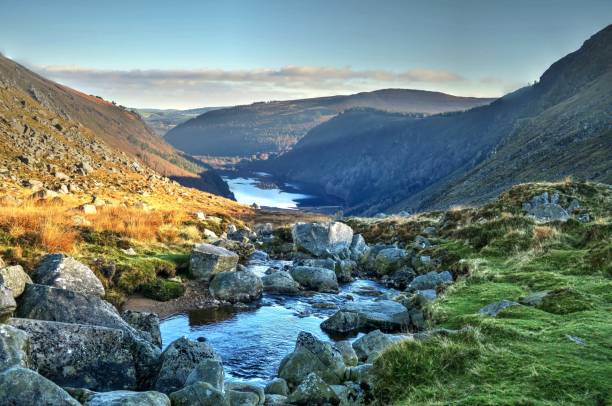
[(543, 233)]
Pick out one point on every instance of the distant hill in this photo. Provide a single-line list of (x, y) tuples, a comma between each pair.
[(276, 126), (115, 125), (376, 161), (161, 121)]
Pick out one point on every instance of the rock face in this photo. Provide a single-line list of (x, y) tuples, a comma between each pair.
[(322, 239), (178, 360), (64, 272), (14, 278), (319, 279), (431, 280), (386, 315), (207, 260), (144, 322), (81, 356), (312, 355), (313, 391), (209, 371), (21, 386), (7, 303), (236, 286), (14, 347), (280, 283), (201, 394)]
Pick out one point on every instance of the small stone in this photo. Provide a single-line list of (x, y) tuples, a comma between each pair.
[(493, 309)]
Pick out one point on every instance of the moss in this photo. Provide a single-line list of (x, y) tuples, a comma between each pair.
[(115, 297), (565, 301), (163, 290), (131, 279)]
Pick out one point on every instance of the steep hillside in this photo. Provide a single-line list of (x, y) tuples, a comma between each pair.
[(115, 125), (559, 126), (276, 126)]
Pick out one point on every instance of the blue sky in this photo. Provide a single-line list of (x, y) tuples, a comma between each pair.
[(185, 54)]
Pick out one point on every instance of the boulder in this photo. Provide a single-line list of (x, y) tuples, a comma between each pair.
[(240, 393), (371, 345), (14, 347), (22, 386), (421, 242), (126, 398), (209, 371), (198, 394), (277, 386), (276, 400), (351, 394), (327, 263), (344, 322), (208, 260), (146, 323), (431, 280), (544, 209), (534, 299), (280, 283), (494, 308), (318, 279), (344, 270), (178, 360), (312, 355), (358, 248), (386, 315), (313, 391), (7, 303), (362, 374), (322, 239), (399, 279), (348, 353), (389, 260), (14, 278), (236, 286), (77, 355), (64, 272)]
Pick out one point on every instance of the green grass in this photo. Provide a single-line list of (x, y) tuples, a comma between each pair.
[(523, 356)]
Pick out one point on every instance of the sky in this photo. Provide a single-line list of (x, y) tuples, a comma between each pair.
[(187, 54)]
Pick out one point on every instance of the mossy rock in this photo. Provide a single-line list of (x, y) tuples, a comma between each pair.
[(163, 290), (565, 301)]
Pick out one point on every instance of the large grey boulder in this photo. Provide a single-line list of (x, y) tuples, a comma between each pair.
[(64, 272), (144, 322), (198, 394), (322, 239), (47, 303), (280, 283), (77, 355), (236, 286), (22, 386), (370, 346), (389, 260), (313, 391), (386, 315), (431, 280), (362, 374), (7, 303), (14, 278), (244, 394), (277, 386), (276, 400), (312, 355), (344, 322), (209, 371), (545, 209), (124, 398), (208, 260), (14, 347), (359, 248), (328, 263), (318, 279), (348, 353), (178, 360)]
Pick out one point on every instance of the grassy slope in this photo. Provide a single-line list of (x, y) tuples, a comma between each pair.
[(524, 355)]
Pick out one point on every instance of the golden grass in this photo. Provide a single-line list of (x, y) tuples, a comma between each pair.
[(543, 233)]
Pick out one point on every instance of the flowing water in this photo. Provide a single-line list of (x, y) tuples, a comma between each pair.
[(253, 342)]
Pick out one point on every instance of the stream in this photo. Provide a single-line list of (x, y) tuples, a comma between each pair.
[(252, 342)]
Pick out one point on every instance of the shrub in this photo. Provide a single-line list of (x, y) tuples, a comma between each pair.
[(163, 290), (131, 279)]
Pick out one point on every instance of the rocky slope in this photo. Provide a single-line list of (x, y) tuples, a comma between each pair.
[(383, 162), (114, 125), (276, 126)]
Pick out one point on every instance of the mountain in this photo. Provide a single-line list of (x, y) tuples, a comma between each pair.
[(115, 125), (276, 126), (376, 161), (161, 121)]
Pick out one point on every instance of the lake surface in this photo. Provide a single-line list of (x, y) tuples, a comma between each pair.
[(253, 342), (262, 189)]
